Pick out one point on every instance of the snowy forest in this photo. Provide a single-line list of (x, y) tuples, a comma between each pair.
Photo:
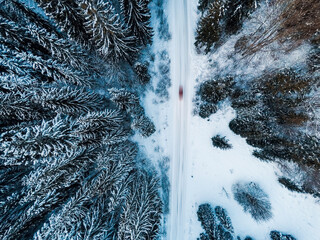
[(68, 166), (274, 94)]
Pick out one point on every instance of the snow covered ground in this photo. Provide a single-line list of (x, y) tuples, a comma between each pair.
[(212, 172), (200, 173)]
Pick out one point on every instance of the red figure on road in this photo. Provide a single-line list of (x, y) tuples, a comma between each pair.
[(180, 92)]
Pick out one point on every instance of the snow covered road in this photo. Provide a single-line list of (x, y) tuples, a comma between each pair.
[(180, 53)]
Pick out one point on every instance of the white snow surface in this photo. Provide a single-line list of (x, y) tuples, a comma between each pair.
[(200, 173)]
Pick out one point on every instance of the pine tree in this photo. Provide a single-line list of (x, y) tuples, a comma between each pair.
[(208, 221), (142, 198), (54, 70), (11, 64), (144, 125), (29, 143), (14, 35), (221, 142), (107, 34), (253, 200), (125, 100), (224, 219), (16, 107), (94, 126), (137, 17), (67, 15), (19, 12), (45, 70), (142, 72), (275, 235), (56, 174), (110, 181), (209, 28), (68, 100), (59, 48)]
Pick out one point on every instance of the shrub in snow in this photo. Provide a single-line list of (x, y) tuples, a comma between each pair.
[(164, 76), (216, 223), (164, 68), (162, 87), (221, 142), (246, 238), (163, 29), (253, 200), (275, 235)]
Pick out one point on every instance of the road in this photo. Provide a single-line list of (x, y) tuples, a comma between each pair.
[(180, 55)]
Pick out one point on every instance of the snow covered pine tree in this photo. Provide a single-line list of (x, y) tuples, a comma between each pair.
[(137, 16), (68, 169)]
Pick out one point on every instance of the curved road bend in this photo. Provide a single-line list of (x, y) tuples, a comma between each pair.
[(180, 51)]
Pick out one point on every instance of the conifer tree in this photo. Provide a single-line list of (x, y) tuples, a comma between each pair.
[(68, 100), (125, 100), (144, 125), (137, 17), (14, 35), (47, 139), (253, 200), (67, 15), (142, 72), (106, 32), (209, 28), (142, 198), (221, 142), (59, 48), (276, 235), (92, 127)]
